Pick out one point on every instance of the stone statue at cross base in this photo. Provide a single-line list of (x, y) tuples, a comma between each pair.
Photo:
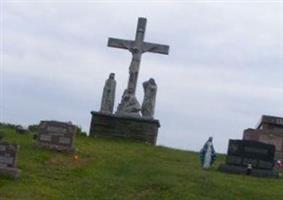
[(129, 105), (108, 96), (148, 105)]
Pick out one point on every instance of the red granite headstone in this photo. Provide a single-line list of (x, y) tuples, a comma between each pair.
[(270, 131)]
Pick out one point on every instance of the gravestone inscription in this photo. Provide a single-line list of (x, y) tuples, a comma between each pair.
[(243, 153), (8, 155), (56, 135)]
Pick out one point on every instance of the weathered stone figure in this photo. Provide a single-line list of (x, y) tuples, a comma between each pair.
[(108, 96), (129, 105), (148, 105)]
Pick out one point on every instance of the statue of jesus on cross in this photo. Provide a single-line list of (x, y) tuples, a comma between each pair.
[(137, 47)]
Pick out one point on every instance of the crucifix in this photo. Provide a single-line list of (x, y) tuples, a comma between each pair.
[(137, 47)]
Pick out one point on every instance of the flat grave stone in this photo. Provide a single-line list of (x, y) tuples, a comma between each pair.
[(8, 156), (244, 153), (56, 135)]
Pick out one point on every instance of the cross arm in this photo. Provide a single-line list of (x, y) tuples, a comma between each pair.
[(119, 43), (155, 48)]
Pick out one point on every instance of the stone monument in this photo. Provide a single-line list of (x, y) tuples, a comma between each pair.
[(131, 120), (8, 155), (56, 135), (148, 105), (129, 105), (108, 96), (250, 157), (269, 130)]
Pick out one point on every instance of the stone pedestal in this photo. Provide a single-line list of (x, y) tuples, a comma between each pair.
[(243, 170), (9, 171), (113, 126)]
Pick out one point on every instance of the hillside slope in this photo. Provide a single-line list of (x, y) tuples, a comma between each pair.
[(123, 170)]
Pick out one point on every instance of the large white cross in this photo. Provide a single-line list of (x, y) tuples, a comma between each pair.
[(137, 47)]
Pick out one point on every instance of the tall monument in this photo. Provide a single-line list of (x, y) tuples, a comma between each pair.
[(137, 47), (131, 120)]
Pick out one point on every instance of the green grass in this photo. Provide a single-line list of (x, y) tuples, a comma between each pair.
[(124, 170)]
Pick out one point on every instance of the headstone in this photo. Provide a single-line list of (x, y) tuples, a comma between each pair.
[(8, 155), (148, 105), (108, 97), (56, 135), (244, 154), (270, 131)]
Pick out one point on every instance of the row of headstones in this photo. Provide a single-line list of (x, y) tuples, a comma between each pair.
[(243, 156), (51, 134)]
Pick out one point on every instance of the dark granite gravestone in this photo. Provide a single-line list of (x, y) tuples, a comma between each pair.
[(8, 155), (242, 153), (56, 135)]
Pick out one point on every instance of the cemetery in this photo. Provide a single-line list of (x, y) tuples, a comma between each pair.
[(120, 157), (122, 169)]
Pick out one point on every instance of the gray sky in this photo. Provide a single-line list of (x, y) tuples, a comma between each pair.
[(224, 70)]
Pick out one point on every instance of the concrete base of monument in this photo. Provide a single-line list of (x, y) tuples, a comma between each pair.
[(9, 171), (254, 172), (56, 147), (113, 126)]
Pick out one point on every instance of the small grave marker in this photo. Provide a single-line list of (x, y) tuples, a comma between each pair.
[(8, 155)]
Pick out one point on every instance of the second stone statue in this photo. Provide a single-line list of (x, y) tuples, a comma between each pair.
[(108, 96), (148, 105)]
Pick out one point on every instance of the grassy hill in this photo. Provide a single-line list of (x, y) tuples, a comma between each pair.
[(124, 170)]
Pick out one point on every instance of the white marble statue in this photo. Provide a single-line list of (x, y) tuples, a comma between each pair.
[(148, 105), (108, 96), (207, 154)]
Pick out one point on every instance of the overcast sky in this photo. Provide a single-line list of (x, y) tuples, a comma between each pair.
[(224, 69)]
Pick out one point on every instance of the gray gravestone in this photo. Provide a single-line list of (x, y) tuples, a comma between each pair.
[(8, 155), (242, 153), (56, 135)]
